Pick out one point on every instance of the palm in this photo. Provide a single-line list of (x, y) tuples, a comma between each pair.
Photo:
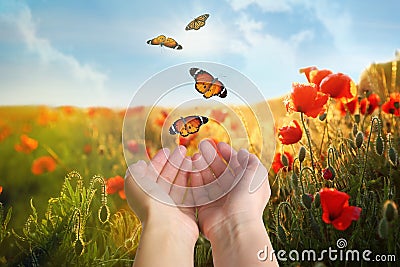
[(162, 180), (238, 202)]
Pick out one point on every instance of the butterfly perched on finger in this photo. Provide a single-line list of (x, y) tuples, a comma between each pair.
[(161, 40), (206, 84), (187, 125), (197, 23)]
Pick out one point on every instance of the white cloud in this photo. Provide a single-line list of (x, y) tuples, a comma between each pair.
[(269, 60), (265, 5), (336, 21), (54, 68)]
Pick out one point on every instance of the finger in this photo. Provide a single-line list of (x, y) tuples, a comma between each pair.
[(136, 170), (157, 164), (228, 154), (178, 189), (211, 183), (202, 166), (200, 194), (255, 173), (211, 156), (171, 168)]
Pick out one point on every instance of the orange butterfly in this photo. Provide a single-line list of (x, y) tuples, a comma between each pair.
[(197, 23), (161, 40), (187, 125), (206, 84)]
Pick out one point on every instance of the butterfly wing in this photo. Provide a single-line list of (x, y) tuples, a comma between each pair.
[(178, 127), (206, 84), (193, 123), (217, 88), (171, 43), (203, 80), (159, 40), (197, 23), (187, 125)]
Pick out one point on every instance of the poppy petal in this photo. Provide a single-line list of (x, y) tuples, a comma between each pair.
[(349, 214)]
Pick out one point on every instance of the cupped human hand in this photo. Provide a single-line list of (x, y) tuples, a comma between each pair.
[(156, 190), (237, 180)]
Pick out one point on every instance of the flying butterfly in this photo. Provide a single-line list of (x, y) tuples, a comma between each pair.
[(187, 125), (197, 23), (206, 84), (161, 40)]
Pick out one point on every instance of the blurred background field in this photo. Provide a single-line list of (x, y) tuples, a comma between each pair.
[(41, 145), (62, 169)]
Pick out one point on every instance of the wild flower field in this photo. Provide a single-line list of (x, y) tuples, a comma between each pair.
[(335, 176)]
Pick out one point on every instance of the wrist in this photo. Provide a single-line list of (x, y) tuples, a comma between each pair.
[(172, 228), (233, 229)]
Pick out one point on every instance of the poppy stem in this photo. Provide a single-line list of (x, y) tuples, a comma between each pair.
[(289, 207), (301, 176), (308, 139), (374, 119)]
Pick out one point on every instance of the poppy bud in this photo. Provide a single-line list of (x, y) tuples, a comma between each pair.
[(379, 145), (307, 199), (317, 200), (393, 156), (355, 129), (390, 212), (322, 117), (285, 160), (329, 173), (302, 153), (359, 139), (357, 118), (281, 234), (383, 228)]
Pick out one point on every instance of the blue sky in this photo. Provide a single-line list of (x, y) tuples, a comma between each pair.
[(88, 53)]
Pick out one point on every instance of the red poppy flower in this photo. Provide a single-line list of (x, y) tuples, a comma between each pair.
[(132, 111), (27, 144), (308, 72), (328, 173), (161, 118), (46, 116), (368, 105), (338, 85), (1, 189), (218, 115), (133, 146), (306, 99), (336, 209), (149, 152), (87, 149), (186, 141), (43, 164), (5, 131), (68, 110), (314, 75), (277, 163), (290, 134), (115, 184), (347, 107), (392, 106)]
